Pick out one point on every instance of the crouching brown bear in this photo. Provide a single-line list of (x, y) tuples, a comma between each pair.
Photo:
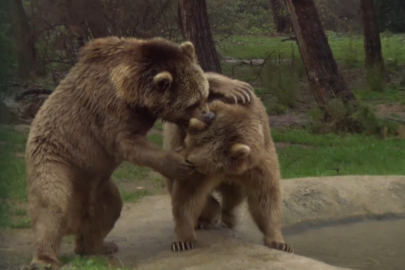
[(234, 155), (96, 118)]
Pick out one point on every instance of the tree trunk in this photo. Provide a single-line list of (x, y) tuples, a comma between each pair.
[(86, 19), (280, 22), (24, 39), (94, 14), (196, 28), (73, 23), (372, 42), (323, 74)]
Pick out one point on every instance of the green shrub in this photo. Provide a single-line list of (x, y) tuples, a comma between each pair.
[(274, 108), (375, 79), (340, 118), (282, 78)]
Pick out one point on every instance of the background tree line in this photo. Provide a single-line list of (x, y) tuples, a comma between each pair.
[(43, 32), (40, 38)]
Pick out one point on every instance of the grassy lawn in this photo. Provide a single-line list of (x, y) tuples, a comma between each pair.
[(12, 178), (88, 263), (344, 48), (390, 95), (320, 155)]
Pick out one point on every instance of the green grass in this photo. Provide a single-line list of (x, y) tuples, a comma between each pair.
[(21, 224), (158, 125), (128, 171), (346, 49), (12, 167), (244, 73), (87, 263), (390, 95), (12, 172), (134, 196), (157, 139), (246, 47), (353, 154)]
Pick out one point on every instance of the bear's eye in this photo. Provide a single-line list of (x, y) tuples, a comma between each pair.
[(193, 107)]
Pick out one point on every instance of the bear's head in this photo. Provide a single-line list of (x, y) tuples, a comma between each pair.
[(156, 75), (225, 142)]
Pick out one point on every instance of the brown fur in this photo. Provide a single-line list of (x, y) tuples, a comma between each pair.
[(235, 155), (96, 118)]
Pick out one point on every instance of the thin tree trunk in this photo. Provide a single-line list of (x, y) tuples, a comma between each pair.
[(196, 28), (23, 36), (73, 23), (372, 42), (180, 19), (323, 73), (92, 13), (280, 22)]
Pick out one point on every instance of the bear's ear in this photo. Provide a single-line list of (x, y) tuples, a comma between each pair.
[(188, 48), (240, 151), (163, 80), (196, 125)]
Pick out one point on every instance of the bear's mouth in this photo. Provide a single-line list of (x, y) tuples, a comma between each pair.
[(180, 123), (183, 124)]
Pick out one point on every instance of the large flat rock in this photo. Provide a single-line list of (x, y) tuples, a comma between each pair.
[(149, 233), (146, 229)]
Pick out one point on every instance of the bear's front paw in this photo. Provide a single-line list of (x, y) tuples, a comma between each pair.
[(228, 220), (238, 92), (182, 246), (176, 167), (232, 91), (109, 248), (281, 246), (203, 225)]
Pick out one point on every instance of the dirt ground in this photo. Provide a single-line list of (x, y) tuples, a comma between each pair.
[(145, 230)]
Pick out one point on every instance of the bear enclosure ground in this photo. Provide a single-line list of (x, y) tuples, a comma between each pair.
[(277, 73)]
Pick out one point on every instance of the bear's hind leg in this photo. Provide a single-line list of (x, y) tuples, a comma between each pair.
[(188, 201), (264, 202), (48, 207), (49, 229), (210, 214), (100, 220), (232, 197)]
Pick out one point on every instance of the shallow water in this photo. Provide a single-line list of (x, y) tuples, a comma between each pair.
[(368, 245)]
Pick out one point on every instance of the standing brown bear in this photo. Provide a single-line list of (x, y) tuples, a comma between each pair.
[(98, 117)]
